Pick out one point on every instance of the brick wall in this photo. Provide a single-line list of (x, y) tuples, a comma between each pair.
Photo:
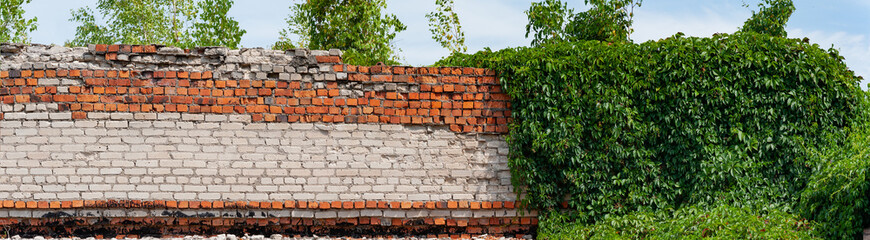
[(212, 139)]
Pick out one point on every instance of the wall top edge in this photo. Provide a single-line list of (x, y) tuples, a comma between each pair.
[(15, 48), (113, 56)]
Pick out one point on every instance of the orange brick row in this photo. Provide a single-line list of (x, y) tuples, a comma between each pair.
[(289, 204), (219, 221), (123, 48)]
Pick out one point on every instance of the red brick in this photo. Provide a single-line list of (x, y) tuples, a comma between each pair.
[(79, 115), (7, 204), (382, 78), (328, 59)]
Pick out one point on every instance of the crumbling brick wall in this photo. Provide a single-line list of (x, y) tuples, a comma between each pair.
[(295, 141)]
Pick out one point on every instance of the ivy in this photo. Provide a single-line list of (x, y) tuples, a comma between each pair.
[(610, 129), (771, 18)]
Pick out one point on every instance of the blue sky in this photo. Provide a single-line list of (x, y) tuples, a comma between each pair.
[(501, 23)]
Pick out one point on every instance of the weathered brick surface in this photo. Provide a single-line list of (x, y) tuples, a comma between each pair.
[(249, 161), (133, 133), (85, 84)]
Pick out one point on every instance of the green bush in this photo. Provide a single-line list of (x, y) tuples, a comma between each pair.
[(837, 195), (722, 222), (615, 128)]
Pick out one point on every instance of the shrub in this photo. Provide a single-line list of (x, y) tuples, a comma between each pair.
[(837, 193), (722, 222)]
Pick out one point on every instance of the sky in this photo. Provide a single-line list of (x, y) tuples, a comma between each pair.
[(843, 24)]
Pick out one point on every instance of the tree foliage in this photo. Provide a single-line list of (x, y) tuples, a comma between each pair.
[(355, 26), (606, 20), (770, 18), (445, 27), (13, 26), (214, 27), (547, 21), (182, 23)]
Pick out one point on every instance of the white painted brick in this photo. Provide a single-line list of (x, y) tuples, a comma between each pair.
[(168, 116), (184, 196), (147, 188), (394, 213), (209, 196), (323, 172), (231, 159), (192, 117), (98, 115), (326, 214), (121, 116), (215, 118), (36, 116), (240, 118), (68, 196), (117, 124), (145, 116), (303, 196), (44, 196), (371, 213), (138, 195), (302, 213), (60, 116)]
